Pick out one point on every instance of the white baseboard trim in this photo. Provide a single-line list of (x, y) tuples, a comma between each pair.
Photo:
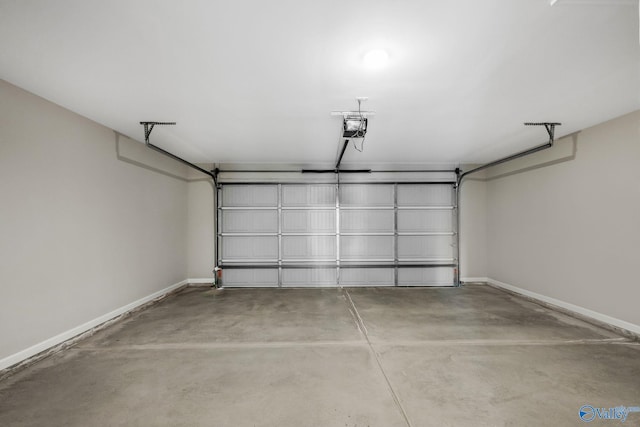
[(47, 344), (474, 279), (585, 312), (200, 281)]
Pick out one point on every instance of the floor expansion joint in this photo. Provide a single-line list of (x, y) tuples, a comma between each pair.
[(363, 329)]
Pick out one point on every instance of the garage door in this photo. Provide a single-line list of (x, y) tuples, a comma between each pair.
[(324, 235)]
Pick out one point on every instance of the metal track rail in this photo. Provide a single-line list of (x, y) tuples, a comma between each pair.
[(148, 127), (335, 265), (549, 126), (550, 130)]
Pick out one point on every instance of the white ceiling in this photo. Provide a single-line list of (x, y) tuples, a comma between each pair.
[(255, 81)]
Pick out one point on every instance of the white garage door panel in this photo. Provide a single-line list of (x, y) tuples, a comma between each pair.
[(414, 248), (434, 276), (322, 235), (264, 277), (366, 248), (425, 195), (366, 221), (260, 248), (308, 221), (309, 195), (367, 276), (310, 248), (425, 221), (366, 195), (250, 195), (309, 277), (247, 221)]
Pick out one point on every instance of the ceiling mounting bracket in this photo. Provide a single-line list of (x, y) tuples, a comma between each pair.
[(148, 127), (550, 126)]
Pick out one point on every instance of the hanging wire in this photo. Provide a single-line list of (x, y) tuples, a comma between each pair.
[(360, 129)]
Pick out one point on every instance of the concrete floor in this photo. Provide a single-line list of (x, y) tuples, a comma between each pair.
[(470, 356)]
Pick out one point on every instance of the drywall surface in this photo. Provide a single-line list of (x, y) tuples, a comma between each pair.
[(564, 222), (90, 220), (201, 229), (473, 227)]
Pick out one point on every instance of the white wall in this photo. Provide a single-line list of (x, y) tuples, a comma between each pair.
[(201, 229), (89, 221), (565, 223), (473, 227)]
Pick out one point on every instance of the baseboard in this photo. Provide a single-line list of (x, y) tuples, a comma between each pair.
[(474, 279), (200, 282), (601, 319), (50, 345)]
